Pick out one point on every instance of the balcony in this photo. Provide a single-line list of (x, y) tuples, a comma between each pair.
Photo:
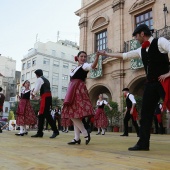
[(134, 44)]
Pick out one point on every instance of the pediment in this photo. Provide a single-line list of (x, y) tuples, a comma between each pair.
[(99, 22), (139, 4)]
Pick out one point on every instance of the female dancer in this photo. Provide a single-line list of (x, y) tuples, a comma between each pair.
[(25, 112), (77, 103), (101, 120), (65, 123)]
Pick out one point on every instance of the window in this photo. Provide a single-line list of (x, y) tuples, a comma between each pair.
[(28, 75), (144, 18), (46, 61), (46, 74), (53, 53), (101, 40), (55, 79), (65, 65), (64, 89), (62, 55), (64, 77), (56, 63), (33, 61), (29, 64), (22, 77), (33, 74), (55, 91), (23, 66)]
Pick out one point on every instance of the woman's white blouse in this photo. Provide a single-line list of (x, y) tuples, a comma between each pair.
[(99, 103), (86, 67)]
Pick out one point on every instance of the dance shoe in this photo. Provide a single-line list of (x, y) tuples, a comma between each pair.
[(138, 148), (25, 133), (54, 135), (37, 135), (88, 138), (66, 131), (74, 142), (124, 135), (98, 133), (19, 134)]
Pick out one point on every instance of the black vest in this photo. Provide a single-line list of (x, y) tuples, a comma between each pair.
[(155, 62), (45, 87), (101, 106), (80, 74), (128, 102)]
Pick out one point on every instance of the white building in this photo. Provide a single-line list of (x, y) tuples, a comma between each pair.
[(55, 59), (7, 66)]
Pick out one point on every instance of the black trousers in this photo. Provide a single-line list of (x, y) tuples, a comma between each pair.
[(152, 93), (127, 117), (156, 125), (46, 115)]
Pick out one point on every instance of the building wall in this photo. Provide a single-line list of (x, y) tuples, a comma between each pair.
[(55, 59)]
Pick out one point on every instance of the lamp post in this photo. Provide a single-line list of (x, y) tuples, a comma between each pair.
[(165, 12)]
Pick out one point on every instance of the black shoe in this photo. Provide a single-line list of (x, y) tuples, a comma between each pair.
[(98, 133), (19, 134), (25, 133), (54, 135), (66, 131), (74, 142), (63, 130), (37, 135), (124, 135), (89, 138), (138, 148)]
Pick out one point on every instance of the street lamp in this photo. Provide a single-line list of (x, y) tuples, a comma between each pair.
[(165, 12)]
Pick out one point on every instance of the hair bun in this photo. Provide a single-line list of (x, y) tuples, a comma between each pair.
[(76, 58)]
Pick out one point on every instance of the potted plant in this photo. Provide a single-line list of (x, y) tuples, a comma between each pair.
[(113, 116)]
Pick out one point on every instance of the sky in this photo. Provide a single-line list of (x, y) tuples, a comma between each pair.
[(21, 21)]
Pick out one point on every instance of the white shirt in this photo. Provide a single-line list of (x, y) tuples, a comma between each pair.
[(132, 98), (99, 103), (163, 46), (38, 85), (86, 67)]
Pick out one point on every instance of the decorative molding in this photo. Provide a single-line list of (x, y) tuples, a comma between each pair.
[(83, 22), (139, 4), (118, 4), (118, 74), (104, 21)]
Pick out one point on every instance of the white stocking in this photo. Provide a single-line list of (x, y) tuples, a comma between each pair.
[(21, 129), (76, 133), (79, 125), (103, 130), (25, 130), (98, 130)]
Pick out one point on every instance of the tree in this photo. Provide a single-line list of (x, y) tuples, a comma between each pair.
[(11, 115), (114, 114)]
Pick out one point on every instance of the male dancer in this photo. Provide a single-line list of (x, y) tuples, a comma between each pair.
[(131, 112), (45, 104), (2, 99), (154, 53)]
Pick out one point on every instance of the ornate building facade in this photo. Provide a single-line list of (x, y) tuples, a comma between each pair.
[(108, 25)]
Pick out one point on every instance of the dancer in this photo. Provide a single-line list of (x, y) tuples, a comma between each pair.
[(77, 102), (65, 123), (25, 112), (45, 104), (2, 99), (158, 118), (130, 113), (101, 121), (154, 54)]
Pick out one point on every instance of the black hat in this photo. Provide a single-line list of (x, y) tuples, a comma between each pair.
[(39, 72), (144, 28), (125, 89)]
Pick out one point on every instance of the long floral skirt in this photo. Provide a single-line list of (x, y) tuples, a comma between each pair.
[(100, 119), (81, 105), (28, 117)]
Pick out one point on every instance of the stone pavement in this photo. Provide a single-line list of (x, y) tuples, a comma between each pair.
[(108, 152)]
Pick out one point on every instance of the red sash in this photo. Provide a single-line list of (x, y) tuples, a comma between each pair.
[(134, 114), (42, 102), (21, 106), (159, 118), (73, 85), (1, 108), (166, 86)]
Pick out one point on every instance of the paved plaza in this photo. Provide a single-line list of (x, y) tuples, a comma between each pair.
[(105, 152)]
